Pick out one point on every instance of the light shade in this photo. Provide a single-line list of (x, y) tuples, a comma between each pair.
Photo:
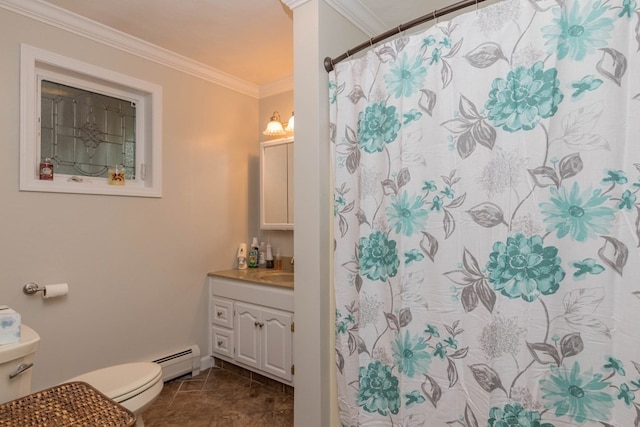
[(274, 127), (289, 127)]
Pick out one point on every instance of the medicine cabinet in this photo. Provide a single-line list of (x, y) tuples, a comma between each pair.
[(276, 184)]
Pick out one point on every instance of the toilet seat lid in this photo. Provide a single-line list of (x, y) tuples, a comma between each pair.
[(122, 382)]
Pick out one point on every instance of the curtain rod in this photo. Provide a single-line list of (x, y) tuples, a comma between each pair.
[(329, 63)]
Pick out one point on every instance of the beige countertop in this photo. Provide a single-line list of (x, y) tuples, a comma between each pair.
[(261, 276)]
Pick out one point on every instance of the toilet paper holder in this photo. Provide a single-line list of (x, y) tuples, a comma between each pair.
[(48, 291), (31, 288)]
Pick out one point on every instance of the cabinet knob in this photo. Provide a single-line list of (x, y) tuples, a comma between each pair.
[(219, 314), (220, 343), (258, 324)]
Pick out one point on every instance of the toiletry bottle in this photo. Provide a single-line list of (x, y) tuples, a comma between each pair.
[(261, 256), (278, 261), (253, 254), (242, 256), (269, 257)]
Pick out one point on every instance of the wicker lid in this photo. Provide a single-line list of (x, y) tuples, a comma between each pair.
[(121, 382), (74, 404)]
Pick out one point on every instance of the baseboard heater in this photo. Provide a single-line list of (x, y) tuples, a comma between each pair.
[(180, 363)]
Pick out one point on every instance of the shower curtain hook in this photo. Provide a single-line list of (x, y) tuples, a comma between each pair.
[(435, 17), (476, 7)]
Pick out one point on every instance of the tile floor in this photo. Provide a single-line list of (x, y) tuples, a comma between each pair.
[(222, 396)]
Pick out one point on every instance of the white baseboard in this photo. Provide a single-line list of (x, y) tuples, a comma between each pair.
[(206, 362)]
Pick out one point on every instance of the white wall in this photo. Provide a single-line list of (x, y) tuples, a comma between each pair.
[(319, 31), (136, 267)]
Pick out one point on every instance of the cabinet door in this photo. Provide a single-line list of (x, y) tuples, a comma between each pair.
[(276, 184), (248, 331), (276, 343), (290, 183)]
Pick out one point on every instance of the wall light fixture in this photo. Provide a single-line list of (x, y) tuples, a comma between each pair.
[(275, 127)]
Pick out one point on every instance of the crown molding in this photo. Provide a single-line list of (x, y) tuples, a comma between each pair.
[(359, 15), (354, 11), (292, 4), (76, 24), (275, 87)]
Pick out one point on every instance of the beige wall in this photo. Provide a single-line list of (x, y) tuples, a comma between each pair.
[(319, 31), (136, 267), (283, 104)]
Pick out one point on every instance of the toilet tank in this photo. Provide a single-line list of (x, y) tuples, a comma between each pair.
[(15, 365)]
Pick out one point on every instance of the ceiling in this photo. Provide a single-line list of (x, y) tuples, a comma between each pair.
[(249, 39)]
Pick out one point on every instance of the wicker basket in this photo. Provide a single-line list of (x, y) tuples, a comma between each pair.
[(69, 404)]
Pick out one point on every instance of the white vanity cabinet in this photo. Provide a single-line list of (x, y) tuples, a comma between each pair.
[(251, 325)]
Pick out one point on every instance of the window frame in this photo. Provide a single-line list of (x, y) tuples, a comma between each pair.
[(37, 65)]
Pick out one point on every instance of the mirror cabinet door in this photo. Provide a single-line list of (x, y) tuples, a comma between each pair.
[(290, 183), (276, 186)]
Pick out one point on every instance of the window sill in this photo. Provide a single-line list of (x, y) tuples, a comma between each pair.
[(63, 184)]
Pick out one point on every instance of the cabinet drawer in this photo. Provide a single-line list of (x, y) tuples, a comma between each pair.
[(222, 312), (222, 341)]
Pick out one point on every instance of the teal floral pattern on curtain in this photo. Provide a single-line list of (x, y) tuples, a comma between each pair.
[(487, 221)]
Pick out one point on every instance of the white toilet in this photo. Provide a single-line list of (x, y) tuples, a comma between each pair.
[(133, 385)]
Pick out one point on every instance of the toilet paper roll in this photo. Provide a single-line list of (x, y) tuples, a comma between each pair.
[(52, 291)]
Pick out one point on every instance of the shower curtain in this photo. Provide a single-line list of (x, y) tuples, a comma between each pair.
[(487, 220)]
